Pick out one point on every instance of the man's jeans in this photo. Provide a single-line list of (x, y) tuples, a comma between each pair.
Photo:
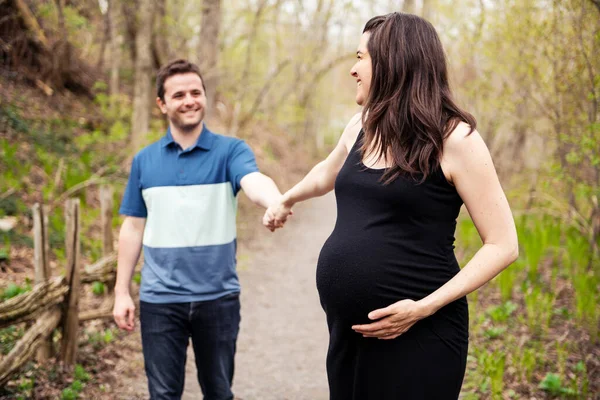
[(166, 330)]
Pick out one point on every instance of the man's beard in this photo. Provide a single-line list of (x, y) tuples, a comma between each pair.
[(187, 127)]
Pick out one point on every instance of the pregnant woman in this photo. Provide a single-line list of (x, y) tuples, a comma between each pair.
[(387, 277)]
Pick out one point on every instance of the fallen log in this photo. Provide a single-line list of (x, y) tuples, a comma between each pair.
[(28, 344), (27, 305)]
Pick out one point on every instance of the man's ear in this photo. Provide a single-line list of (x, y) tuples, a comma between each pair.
[(161, 105)]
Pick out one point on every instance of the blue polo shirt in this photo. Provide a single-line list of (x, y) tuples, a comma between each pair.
[(189, 200)]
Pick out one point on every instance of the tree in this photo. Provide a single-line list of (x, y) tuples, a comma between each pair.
[(161, 51), (208, 49), (115, 51), (143, 74)]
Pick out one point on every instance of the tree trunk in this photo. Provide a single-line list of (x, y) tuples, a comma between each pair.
[(160, 46), (130, 10), (208, 49), (115, 51), (104, 41), (140, 119), (31, 23), (62, 48)]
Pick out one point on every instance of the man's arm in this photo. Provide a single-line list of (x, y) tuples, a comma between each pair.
[(260, 189), (130, 247)]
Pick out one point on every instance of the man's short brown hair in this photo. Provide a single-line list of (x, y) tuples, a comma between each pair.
[(180, 66)]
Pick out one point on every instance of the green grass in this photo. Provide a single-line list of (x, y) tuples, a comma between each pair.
[(516, 339)]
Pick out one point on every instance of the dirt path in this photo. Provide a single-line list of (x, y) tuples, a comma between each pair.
[(283, 338)]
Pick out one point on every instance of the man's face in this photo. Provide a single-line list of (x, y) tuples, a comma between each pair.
[(185, 101), (362, 70)]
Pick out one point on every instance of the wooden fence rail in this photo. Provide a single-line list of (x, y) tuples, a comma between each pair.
[(53, 302), (27, 305)]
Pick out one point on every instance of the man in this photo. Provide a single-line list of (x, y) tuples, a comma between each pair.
[(180, 205)]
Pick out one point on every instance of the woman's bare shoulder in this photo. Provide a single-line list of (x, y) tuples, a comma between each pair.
[(351, 131), (461, 132), (461, 148)]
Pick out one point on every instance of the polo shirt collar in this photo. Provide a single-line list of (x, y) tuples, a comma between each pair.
[(205, 140)]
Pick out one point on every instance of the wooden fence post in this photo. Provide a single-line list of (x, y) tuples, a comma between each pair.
[(70, 322), (41, 263)]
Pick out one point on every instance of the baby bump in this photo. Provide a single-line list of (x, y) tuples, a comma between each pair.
[(352, 282), (356, 276)]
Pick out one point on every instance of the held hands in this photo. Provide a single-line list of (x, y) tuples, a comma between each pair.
[(276, 216), (393, 320), (124, 311)]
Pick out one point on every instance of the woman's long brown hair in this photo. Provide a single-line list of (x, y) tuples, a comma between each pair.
[(409, 110)]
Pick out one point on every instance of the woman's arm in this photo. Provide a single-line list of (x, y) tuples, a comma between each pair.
[(469, 165), (319, 180), (473, 174)]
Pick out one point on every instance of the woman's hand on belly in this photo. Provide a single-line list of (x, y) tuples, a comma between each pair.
[(392, 321)]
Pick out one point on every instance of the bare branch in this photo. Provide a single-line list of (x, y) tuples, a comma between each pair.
[(31, 23), (262, 93)]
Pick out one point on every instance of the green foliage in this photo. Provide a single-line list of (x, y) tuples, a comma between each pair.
[(15, 237), (81, 374), (506, 280), (494, 332), (56, 231), (552, 383), (26, 385), (491, 365), (502, 312), (69, 394), (9, 337), (582, 382), (561, 357), (10, 117), (13, 290), (12, 166), (467, 239), (99, 339), (137, 278), (577, 253), (12, 205), (98, 288), (526, 362), (4, 254), (20, 389), (77, 386), (108, 337), (91, 246), (539, 306), (564, 257), (74, 390), (537, 238), (587, 298)]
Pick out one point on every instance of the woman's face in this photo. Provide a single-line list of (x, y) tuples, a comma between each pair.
[(361, 71)]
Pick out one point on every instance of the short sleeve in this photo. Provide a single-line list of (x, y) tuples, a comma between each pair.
[(133, 203), (241, 162)]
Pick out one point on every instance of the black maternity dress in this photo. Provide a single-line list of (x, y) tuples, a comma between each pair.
[(391, 242)]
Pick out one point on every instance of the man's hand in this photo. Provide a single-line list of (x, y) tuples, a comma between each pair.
[(124, 312), (276, 216)]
